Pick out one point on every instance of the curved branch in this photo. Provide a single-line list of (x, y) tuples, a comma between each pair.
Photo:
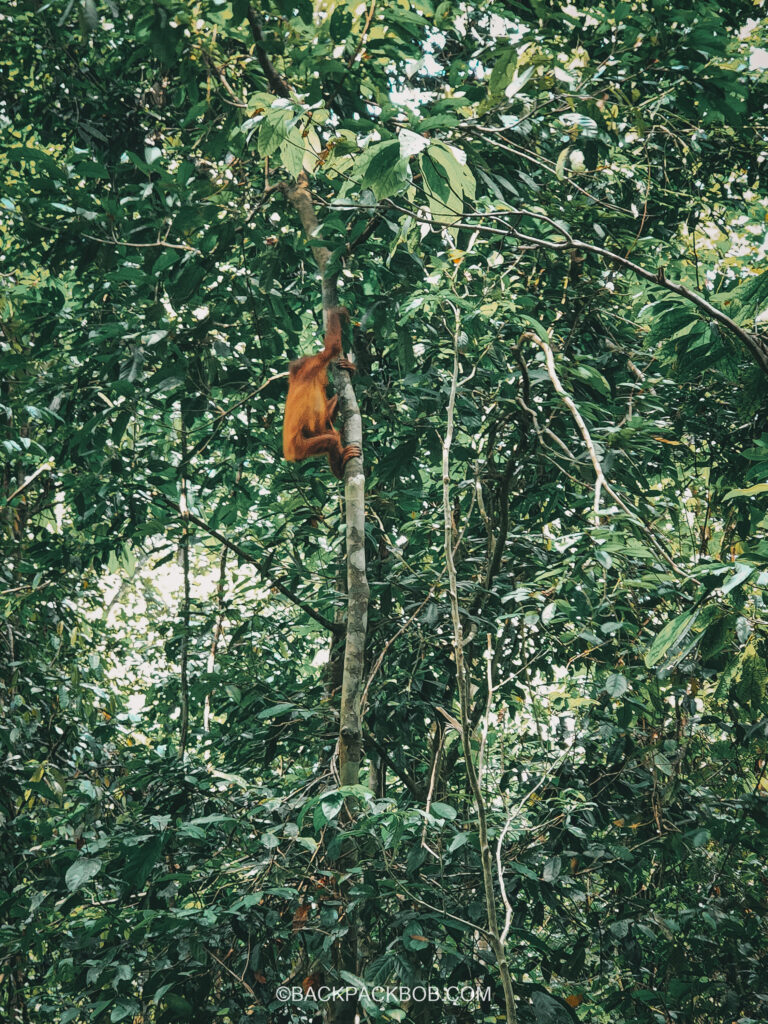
[(463, 687), (251, 560), (277, 83), (601, 481), (755, 344)]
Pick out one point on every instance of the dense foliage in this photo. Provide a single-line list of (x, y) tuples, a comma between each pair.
[(173, 844)]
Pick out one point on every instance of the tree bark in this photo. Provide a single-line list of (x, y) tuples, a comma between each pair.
[(462, 682), (350, 719), (185, 605), (350, 724)]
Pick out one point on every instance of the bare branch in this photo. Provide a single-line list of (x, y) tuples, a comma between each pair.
[(600, 479), (277, 84), (25, 483), (462, 683), (251, 560)]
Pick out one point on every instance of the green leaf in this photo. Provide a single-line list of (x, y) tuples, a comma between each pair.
[(414, 937), (593, 378), (331, 804), (179, 1006), (340, 24), (519, 82), (122, 421), (239, 11), (548, 1010), (436, 179), (746, 492), (671, 634), (503, 71), (616, 685), (450, 166), (140, 858), (293, 151), (385, 170), (81, 871), (276, 710), (123, 1010), (161, 992), (742, 571), (552, 869), (745, 301), (274, 128)]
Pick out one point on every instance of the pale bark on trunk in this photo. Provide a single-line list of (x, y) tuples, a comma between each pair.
[(350, 724), (350, 718)]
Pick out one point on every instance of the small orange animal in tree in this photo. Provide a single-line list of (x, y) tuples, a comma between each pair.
[(308, 426)]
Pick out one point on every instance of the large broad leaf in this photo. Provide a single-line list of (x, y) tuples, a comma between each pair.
[(503, 71), (548, 1010), (274, 128), (742, 572), (447, 181), (414, 937), (746, 300), (593, 379), (616, 685), (747, 492), (81, 872), (671, 634), (385, 169)]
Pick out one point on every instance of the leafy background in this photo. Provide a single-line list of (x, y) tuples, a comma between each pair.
[(155, 282)]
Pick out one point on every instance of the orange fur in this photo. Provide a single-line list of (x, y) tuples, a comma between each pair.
[(308, 425)]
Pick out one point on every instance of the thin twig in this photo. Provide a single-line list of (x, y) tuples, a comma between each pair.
[(600, 479), (363, 34), (462, 683), (229, 970), (25, 483), (143, 245), (251, 560)]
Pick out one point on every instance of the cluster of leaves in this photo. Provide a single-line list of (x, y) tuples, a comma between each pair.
[(155, 283)]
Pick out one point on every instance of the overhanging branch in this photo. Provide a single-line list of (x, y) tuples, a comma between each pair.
[(754, 342), (251, 560), (276, 82)]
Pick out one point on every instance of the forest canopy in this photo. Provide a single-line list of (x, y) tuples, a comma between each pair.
[(488, 718)]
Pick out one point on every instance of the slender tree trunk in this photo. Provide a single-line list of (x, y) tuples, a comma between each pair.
[(184, 547), (350, 724), (494, 936), (350, 717), (217, 631)]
